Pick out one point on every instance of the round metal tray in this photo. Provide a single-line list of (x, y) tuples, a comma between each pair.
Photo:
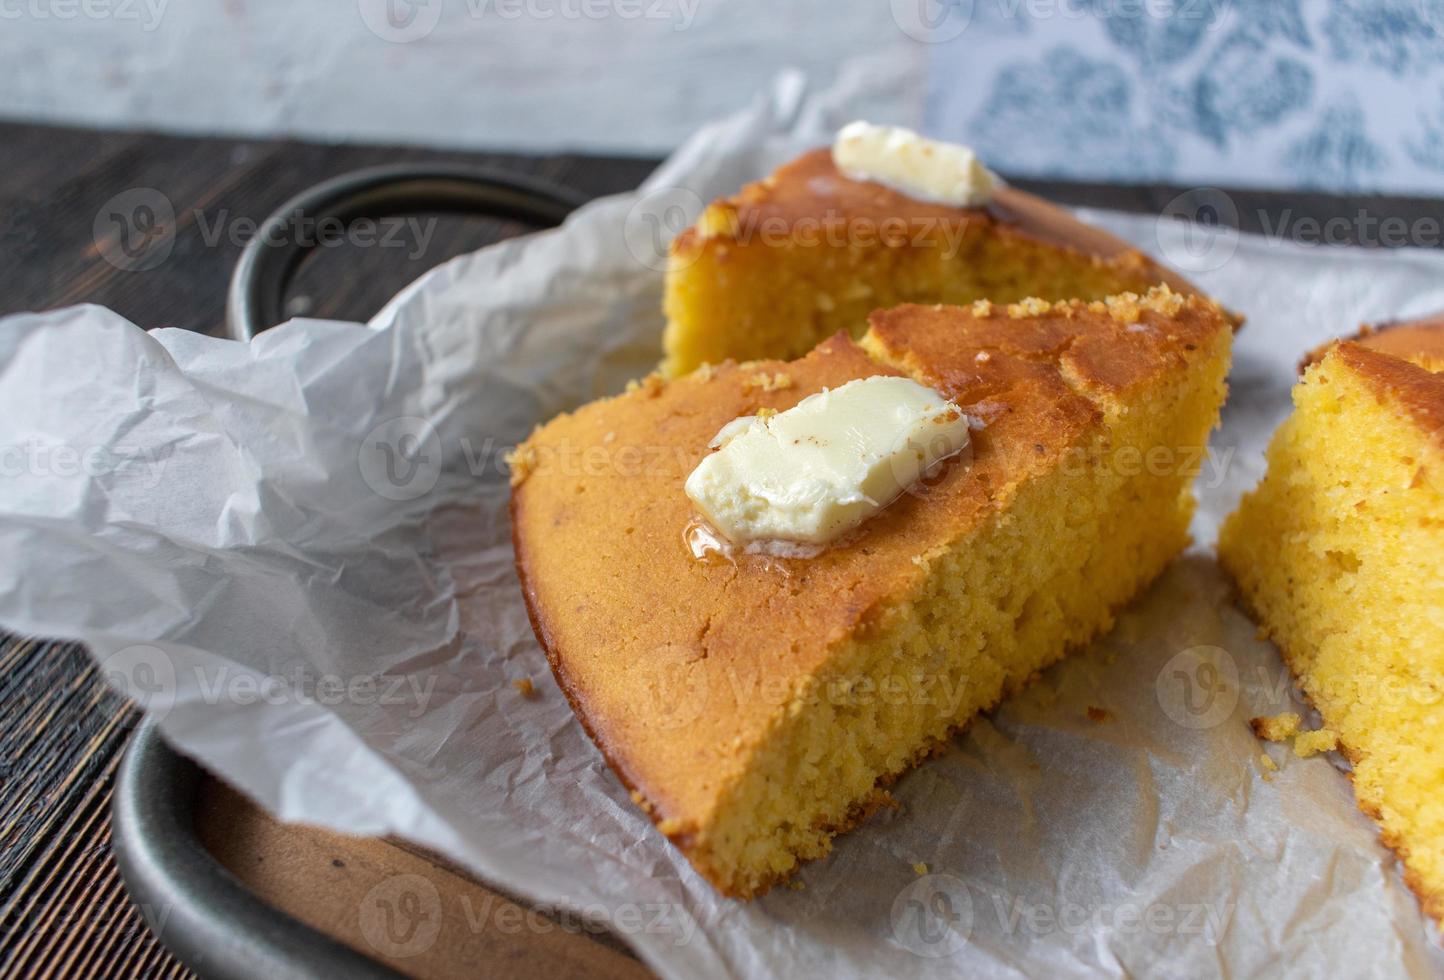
[(197, 909), (194, 905)]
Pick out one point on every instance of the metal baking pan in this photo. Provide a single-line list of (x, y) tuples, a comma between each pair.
[(214, 924)]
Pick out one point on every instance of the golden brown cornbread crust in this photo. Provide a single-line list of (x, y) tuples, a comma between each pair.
[(667, 660), (1419, 341), (1403, 363), (811, 189), (1417, 392)]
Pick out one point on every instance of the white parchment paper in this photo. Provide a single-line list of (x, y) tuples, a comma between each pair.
[(296, 554)]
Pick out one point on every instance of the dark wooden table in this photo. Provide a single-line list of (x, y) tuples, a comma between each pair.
[(63, 912)]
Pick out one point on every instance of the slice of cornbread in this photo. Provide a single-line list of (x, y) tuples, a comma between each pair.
[(807, 252), (1339, 553), (757, 705)]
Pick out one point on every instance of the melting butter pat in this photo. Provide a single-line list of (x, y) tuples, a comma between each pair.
[(929, 170), (827, 464)]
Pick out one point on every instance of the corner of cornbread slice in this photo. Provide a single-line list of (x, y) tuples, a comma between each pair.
[(808, 251), (756, 706), (1339, 554)]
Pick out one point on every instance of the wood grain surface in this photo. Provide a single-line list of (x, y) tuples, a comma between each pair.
[(63, 912)]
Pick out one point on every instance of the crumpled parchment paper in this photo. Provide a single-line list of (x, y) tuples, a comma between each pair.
[(295, 553)]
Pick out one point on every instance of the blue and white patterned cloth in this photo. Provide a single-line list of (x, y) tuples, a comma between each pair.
[(1345, 95)]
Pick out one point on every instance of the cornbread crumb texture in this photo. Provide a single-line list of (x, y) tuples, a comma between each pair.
[(1267, 763), (1312, 743), (524, 687), (808, 252), (734, 695), (1276, 728), (1339, 553), (1282, 727), (651, 385), (920, 868), (776, 381), (519, 463)]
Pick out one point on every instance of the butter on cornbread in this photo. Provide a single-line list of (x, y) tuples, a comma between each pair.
[(814, 248), (756, 706), (1339, 554)]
